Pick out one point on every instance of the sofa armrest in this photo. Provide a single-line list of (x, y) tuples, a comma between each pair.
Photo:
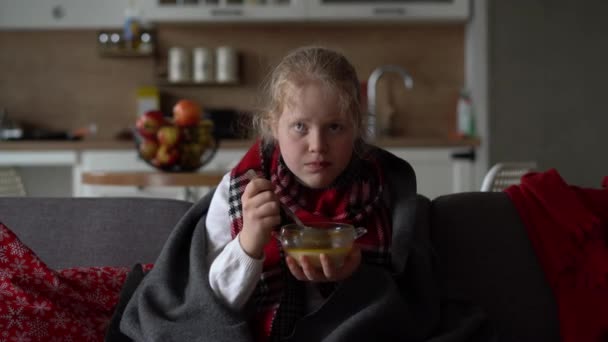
[(485, 256)]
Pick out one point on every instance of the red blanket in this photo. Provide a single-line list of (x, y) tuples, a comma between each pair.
[(568, 228)]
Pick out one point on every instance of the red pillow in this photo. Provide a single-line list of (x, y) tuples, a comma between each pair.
[(41, 304)]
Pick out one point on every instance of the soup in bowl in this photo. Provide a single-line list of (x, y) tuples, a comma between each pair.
[(333, 239)]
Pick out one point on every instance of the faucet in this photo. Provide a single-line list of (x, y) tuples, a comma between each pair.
[(371, 90)]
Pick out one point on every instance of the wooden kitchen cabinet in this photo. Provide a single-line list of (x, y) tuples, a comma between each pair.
[(395, 10), (112, 160), (61, 14), (435, 170), (128, 160), (44, 172), (223, 10)]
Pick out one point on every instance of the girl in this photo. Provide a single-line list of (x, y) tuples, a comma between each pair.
[(311, 158), (220, 275)]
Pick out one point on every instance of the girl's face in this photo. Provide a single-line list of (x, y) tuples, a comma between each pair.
[(315, 139)]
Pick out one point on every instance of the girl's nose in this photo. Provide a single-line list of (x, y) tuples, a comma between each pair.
[(317, 142)]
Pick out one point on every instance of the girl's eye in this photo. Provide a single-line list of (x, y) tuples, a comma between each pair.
[(299, 127), (335, 127)]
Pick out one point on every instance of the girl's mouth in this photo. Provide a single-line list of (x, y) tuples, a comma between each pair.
[(317, 166)]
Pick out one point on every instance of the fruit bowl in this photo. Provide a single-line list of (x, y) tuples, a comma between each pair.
[(333, 239), (182, 143), (184, 156)]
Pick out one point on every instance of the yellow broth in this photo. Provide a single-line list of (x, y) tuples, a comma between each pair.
[(336, 255)]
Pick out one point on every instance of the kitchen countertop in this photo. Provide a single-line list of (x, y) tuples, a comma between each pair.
[(92, 144)]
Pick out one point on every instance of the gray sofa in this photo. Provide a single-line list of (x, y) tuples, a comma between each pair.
[(484, 253)]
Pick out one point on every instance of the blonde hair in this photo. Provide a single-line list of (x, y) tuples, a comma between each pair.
[(306, 64)]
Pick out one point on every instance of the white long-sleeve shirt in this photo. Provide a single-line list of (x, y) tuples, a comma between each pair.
[(233, 275)]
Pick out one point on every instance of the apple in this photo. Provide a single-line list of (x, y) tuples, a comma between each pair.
[(188, 134), (148, 149), (201, 134), (205, 131), (168, 135), (166, 156), (186, 113), (190, 155), (149, 123)]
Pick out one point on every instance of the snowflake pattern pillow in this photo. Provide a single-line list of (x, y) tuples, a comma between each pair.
[(41, 304)]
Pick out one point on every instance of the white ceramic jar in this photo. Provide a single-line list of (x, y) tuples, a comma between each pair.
[(202, 65), (227, 63), (179, 64)]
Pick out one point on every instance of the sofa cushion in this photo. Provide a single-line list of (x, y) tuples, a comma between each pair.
[(41, 304), (485, 256)]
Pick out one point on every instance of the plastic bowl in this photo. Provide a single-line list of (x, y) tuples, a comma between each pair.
[(331, 238)]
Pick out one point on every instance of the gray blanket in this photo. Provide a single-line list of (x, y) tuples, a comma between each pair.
[(174, 302)]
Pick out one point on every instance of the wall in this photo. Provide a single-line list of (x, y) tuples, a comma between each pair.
[(547, 86), (56, 78)]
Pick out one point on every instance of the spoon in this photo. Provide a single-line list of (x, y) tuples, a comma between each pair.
[(252, 175)]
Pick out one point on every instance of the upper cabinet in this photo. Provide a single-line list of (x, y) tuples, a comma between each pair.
[(223, 10), (59, 14), (305, 10), (391, 10)]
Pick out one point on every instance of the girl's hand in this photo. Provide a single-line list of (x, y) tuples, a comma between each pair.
[(261, 214), (307, 272)]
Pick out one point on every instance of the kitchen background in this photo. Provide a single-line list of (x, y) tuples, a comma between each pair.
[(536, 69), (58, 79)]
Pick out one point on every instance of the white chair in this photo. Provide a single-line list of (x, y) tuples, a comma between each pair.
[(11, 183), (503, 175)]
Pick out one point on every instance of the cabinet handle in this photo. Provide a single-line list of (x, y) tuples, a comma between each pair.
[(227, 12), (389, 11), (58, 12), (469, 155)]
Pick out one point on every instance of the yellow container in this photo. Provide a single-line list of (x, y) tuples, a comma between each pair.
[(148, 98)]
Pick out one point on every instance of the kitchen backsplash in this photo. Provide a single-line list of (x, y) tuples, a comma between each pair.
[(57, 79)]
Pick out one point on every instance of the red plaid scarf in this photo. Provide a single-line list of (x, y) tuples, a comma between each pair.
[(355, 198)]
